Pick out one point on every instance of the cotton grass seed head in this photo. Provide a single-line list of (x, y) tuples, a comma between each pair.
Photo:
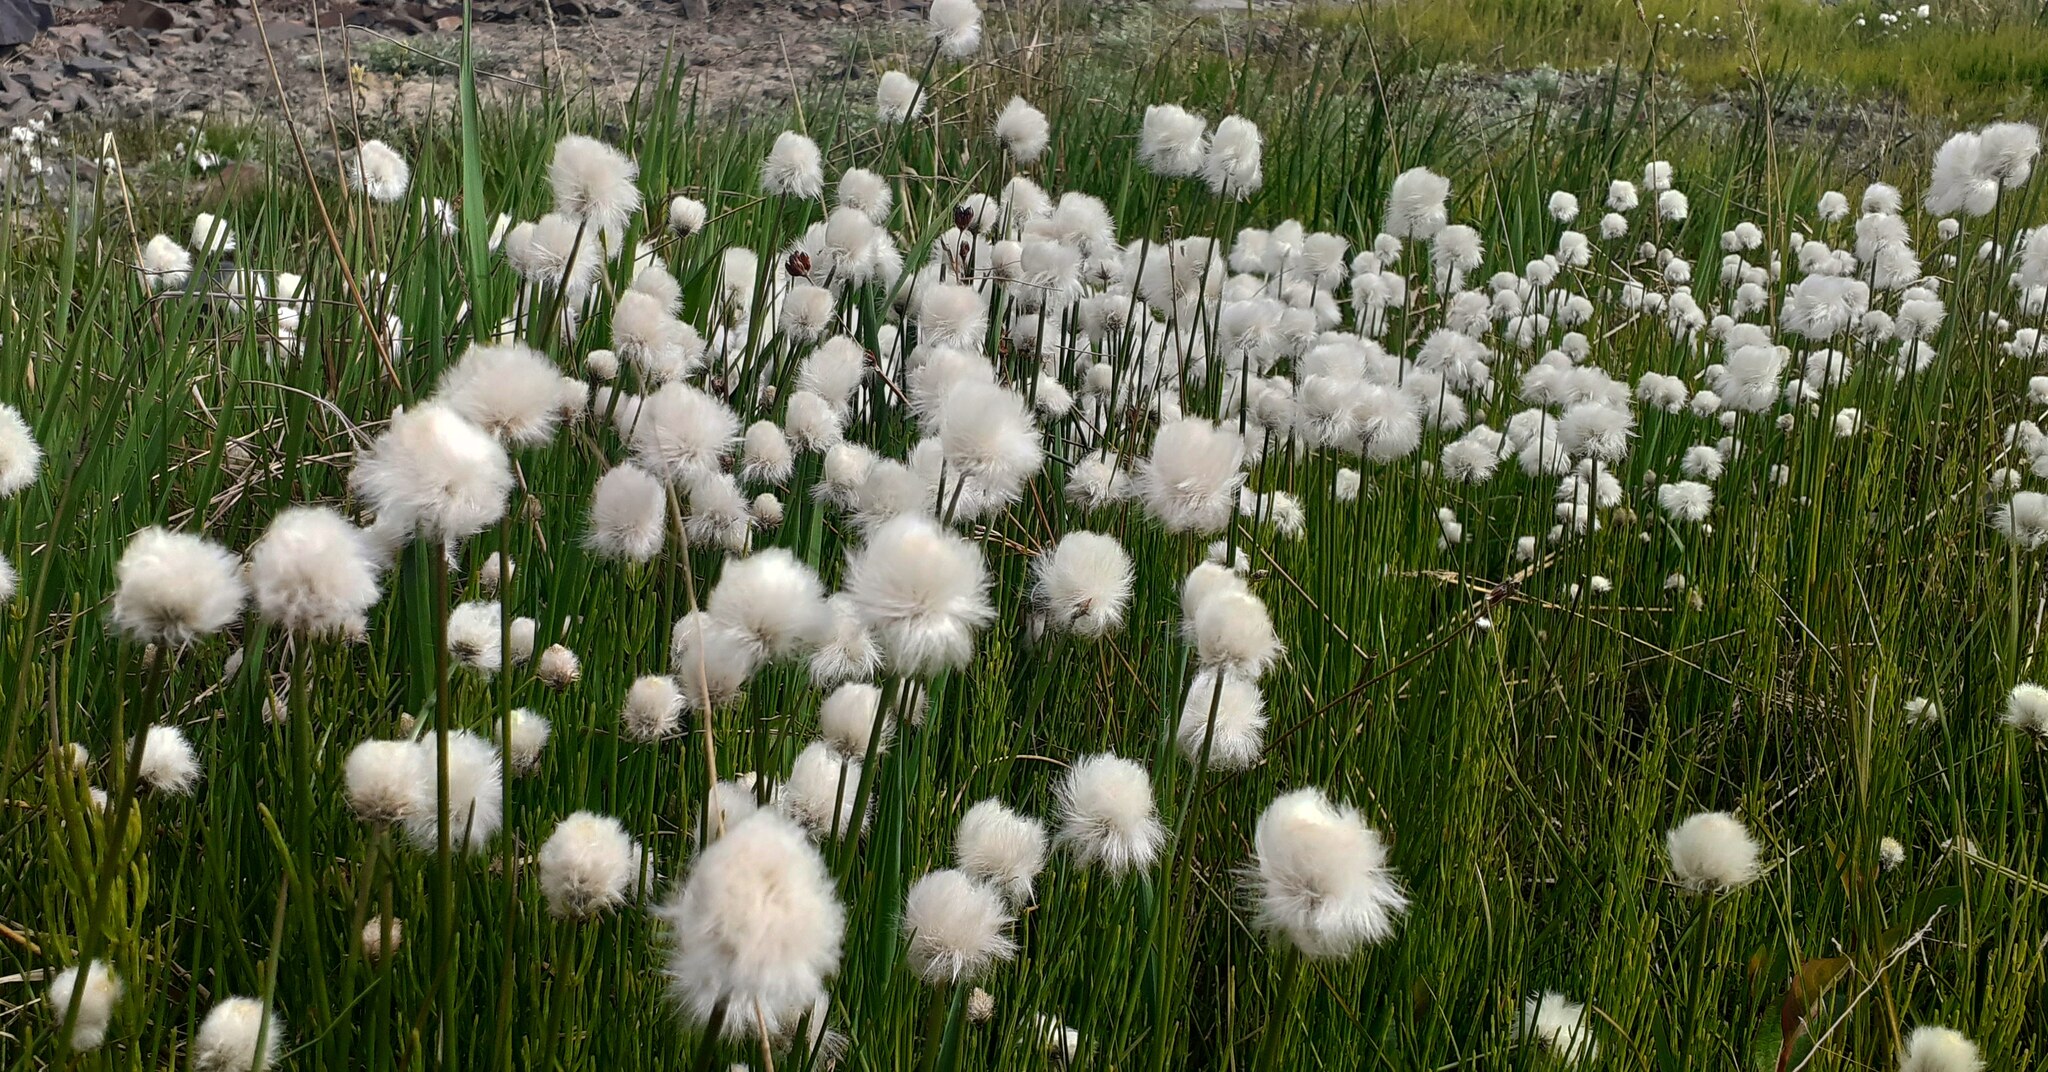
[(1321, 876), (898, 98), (312, 574), (2026, 709), (956, 26), (377, 171), (101, 990), (174, 588), (589, 865), (381, 779), (20, 458), (1023, 131), (1229, 724), (1939, 1049), (1083, 583), (1560, 1024), (1712, 852), (594, 183), (436, 473), (793, 168), (628, 515), (1189, 482), (169, 765), (653, 708), (1001, 848), (923, 592), (847, 720), (475, 797), (238, 1035), (755, 926), (956, 928), (773, 599), (1107, 817)]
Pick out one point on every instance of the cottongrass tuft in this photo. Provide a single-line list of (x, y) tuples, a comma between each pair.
[(1940, 1049), (997, 846), (175, 587), (846, 720), (1712, 852), (956, 26), (1190, 481), (775, 600), (821, 790), (101, 989), (653, 708), (2023, 519), (20, 457), (1107, 817), (381, 780), (1561, 1024), (793, 168), (588, 865), (1083, 583), (898, 98), (169, 764), (475, 794), (686, 215), (435, 473), (312, 574), (558, 668), (377, 171), (924, 592), (956, 928), (1239, 725), (755, 927), (1321, 876), (239, 1035), (2026, 708), (595, 183), (628, 515), (1023, 131)]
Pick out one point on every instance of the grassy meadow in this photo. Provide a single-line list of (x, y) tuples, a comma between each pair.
[(1523, 661)]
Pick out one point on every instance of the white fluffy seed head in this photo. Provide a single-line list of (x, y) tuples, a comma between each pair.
[(711, 659), (654, 706), (228, 1039), (20, 458), (174, 588), (679, 432), (686, 215), (1084, 583), (898, 98), (1940, 1049), (381, 779), (956, 26), (1712, 852), (1322, 878), (558, 668), (588, 865), (1190, 481), (821, 791), (1107, 816), (594, 183), (999, 847), (169, 764), (101, 989), (846, 720), (923, 592), (628, 515), (1561, 1024), (312, 574), (956, 927), (793, 168), (1233, 630), (756, 926), (1023, 131), (1239, 715), (475, 796), (849, 651), (377, 171), (434, 473), (773, 599), (765, 454), (2026, 708)]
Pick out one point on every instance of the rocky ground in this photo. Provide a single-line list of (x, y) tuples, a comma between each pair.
[(104, 61)]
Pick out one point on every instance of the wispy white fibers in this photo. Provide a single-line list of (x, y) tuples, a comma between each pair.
[(793, 168), (765, 454), (238, 1035), (1107, 817), (647, 335), (1561, 1024), (710, 659), (1712, 852), (987, 436), (174, 588), (2023, 519), (101, 988), (1171, 141), (376, 170), (168, 763), (1232, 165), (1083, 584), (999, 847), (166, 265), (923, 591), (1189, 482), (508, 390), (820, 792), (9, 581), (956, 26), (1235, 736), (1415, 207), (686, 215), (849, 651), (588, 865), (529, 735), (1023, 131), (20, 458), (680, 431), (381, 779), (1686, 500), (1322, 880), (653, 708), (952, 315), (475, 794), (434, 473), (898, 98), (1231, 630), (628, 515), (1939, 1049), (594, 183), (1564, 206), (756, 927), (2026, 709), (775, 600), (956, 928), (846, 720)]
